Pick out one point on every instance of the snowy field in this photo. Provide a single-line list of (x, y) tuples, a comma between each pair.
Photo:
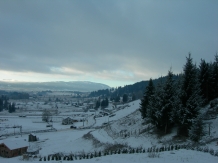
[(95, 134)]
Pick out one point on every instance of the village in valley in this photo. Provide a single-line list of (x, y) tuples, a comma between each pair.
[(41, 117), (64, 125)]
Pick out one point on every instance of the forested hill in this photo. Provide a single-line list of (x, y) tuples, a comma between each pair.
[(137, 89)]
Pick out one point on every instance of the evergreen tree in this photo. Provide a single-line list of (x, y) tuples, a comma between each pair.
[(125, 98), (154, 107), (6, 103), (190, 98), (149, 92), (204, 76), (97, 104), (46, 116), (1, 104), (13, 107), (104, 103), (133, 97), (210, 82), (215, 77), (10, 108), (177, 105), (117, 99), (167, 98)]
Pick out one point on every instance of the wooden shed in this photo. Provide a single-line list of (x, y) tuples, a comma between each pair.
[(13, 148), (32, 137)]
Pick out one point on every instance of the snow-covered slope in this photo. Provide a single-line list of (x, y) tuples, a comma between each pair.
[(125, 128)]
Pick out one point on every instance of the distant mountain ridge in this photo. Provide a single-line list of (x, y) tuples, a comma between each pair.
[(82, 86), (136, 88)]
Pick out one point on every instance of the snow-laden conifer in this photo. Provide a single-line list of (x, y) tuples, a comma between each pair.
[(191, 100), (148, 94)]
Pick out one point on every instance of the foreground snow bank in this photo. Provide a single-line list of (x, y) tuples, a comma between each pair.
[(179, 156)]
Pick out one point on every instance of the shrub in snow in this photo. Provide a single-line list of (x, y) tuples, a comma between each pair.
[(206, 149), (137, 151), (91, 156), (172, 147), (154, 155), (211, 151), (197, 129), (148, 150), (200, 149), (95, 154), (178, 147), (161, 149), (216, 153), (125, 150), (154, 149)]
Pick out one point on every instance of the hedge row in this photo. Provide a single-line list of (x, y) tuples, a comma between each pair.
[(72, 157)]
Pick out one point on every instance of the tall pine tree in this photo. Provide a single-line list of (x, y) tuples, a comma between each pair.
[(161, 107), (149, 92), (1, 104), (204, 80), (168, 102), (154, 107), (215, 77), (190, 98)]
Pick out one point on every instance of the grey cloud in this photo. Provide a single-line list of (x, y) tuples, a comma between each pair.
[(98, 36)]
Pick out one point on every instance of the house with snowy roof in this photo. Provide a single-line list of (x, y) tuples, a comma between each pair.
[(13, 148)]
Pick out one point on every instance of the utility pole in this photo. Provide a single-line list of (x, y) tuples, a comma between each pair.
[(21, 130), (209, 128)]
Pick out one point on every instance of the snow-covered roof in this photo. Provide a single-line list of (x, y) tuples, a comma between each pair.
[(33, 134), (15, 144)]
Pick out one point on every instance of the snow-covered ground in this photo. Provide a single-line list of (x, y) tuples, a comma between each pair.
[(180, 156), (125, 127)]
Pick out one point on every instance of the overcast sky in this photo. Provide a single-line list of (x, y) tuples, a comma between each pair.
[(115, 42)]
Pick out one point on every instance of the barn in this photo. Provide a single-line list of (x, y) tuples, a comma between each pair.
[(13, 148)]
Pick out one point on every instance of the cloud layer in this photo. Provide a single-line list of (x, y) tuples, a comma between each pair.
[(115, 42)]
